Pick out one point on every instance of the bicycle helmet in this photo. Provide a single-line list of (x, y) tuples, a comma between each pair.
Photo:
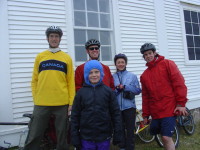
[(92, 42), (146, 47), (54, 29), (123, 56)]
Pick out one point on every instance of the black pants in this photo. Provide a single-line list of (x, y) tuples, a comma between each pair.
[(128, 126)]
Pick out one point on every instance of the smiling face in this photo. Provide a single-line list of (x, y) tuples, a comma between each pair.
[(94, 76), (120, 64), (149, 55), (93, 52), (54, 40)]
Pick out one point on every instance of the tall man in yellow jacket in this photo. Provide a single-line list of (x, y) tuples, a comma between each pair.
[(53, 91)]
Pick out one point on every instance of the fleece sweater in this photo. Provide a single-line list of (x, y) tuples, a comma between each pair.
[(53, 79)]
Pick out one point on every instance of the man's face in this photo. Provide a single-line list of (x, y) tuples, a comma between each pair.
[(94, 76), (54, 40), (93, 52), (149, 55)]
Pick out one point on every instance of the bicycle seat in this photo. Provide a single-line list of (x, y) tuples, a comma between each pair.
[(27, 115)]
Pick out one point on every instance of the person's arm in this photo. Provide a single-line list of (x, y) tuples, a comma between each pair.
[(35, 77), (133, 85), (75, 122), (70, 82), (79, 77), (178, 84), (179, 88), (145, 100)]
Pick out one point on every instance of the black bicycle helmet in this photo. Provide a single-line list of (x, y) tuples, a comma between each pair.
[(123, 56), (54, 29), (92, 42), (146, 47)]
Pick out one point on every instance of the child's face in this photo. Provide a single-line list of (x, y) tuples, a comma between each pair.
[(94, 76), (149, 55), (120, 64)]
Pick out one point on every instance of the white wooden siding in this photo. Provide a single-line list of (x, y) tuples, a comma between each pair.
[(27, 22)]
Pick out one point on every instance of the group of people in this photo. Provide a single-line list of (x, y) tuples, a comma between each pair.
[(101, 105)]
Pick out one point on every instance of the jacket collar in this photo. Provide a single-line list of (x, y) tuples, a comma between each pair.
[(155, 61)]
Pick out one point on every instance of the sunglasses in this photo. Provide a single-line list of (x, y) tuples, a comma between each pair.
[(94, 48)]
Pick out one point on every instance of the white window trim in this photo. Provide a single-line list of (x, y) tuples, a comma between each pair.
[(190, 6)]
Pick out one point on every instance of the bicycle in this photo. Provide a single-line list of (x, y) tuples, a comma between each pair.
[(187, 122), (143, 131), (48, 142)]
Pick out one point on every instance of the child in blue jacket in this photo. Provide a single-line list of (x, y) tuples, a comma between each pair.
[(95, 115)]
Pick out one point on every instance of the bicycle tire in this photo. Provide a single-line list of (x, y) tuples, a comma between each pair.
[(175, 138), (188, 123), (145, 135)]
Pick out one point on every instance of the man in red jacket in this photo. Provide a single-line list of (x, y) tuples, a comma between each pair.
[(92, 47), (164, 94)]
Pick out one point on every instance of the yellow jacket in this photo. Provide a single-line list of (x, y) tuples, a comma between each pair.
[(53, 79)]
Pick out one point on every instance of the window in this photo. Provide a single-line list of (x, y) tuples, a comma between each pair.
[(92, 19), (192, 29)]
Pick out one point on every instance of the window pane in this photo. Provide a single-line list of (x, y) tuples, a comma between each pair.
[(79, 4), (194, 17), (197, 51), (104, 6), (105, 20), (93, 20), (191, 53), (93, 35), (80, 19), (80, 54), (187, 15), (197, 41), (190, 42), (79, 36), (106, 53), (195, 29), (188, 28), (92, 5), (105, 38)]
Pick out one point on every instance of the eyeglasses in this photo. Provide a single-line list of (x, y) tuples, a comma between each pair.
[(93, 48)]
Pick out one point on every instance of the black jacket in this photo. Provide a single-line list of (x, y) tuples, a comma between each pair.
[(95, 115)]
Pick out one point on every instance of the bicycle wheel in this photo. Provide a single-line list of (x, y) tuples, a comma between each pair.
[(175, 138), (188, 123), (145, 135)]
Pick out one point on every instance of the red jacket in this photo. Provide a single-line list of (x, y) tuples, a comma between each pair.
[(163, 88), (79, 77)]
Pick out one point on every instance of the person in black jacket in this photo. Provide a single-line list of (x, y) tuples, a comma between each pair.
[(95, 117)]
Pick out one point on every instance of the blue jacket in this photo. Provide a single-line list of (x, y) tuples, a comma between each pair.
[(130, 81)]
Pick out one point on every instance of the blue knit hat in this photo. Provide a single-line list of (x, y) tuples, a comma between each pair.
[(92, 64)]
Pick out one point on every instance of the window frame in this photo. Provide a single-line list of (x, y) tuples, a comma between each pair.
[(115, 31), (190, 7)]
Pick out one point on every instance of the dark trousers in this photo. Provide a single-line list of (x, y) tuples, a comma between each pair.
[(128, 126), (39, 124)]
